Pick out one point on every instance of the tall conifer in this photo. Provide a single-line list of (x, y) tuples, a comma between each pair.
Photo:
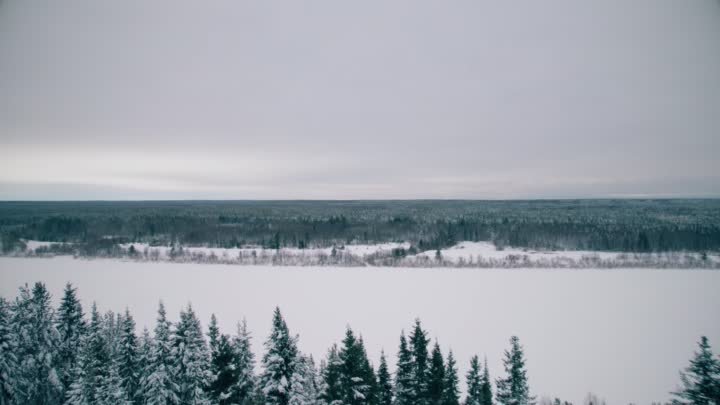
[(436, 376), (385, 388), (278, 362), (514, 389)]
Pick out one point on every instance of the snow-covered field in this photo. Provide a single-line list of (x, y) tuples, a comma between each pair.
[(487, 250), (463, 254), (359, 250), (33, 245), (622, 334)]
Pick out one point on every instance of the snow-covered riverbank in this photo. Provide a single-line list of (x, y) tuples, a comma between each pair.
[(463, 254)]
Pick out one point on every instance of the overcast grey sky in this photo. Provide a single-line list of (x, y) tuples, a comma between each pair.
[(370, 99)]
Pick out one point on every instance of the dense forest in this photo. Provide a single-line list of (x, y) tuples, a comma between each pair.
[(52, 356), (606, 225)]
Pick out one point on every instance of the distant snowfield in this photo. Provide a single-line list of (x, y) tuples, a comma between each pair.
[(487, 250), (360, 250), (33, 245), (462, 254), (622, 334)]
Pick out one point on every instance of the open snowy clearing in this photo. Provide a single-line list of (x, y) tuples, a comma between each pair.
[(622, 334)]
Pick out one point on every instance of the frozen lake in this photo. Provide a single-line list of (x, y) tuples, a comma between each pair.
[(622, 334)]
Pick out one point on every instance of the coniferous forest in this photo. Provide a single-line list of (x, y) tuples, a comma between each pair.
[(65, 355), (96, 227)]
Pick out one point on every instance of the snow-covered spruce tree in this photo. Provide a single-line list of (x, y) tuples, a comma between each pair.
[(217, 363), (144, 352), (71, 327), (159, 386), (213, 335), (320, 385), (191, 361), (37, 380), (701, 379), (8, 361), (369, 375), (404, 375), (278, 362), (303, 390), (473, 382), (486, 386), (128, 358), (317, 379), (436, 376), (92, 364), (331, 390), (385, 388), (111, 332), (513, 389), (355, 388), (111, 390), (245, 384), (419, 348), (451, 390), (224, 373)]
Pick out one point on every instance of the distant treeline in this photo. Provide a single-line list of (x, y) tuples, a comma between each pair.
[(60, 356), (607, 225)]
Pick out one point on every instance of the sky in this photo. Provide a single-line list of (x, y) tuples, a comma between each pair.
[(359, 100)]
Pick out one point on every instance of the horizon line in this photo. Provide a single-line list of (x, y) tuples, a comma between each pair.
[(606, 198)]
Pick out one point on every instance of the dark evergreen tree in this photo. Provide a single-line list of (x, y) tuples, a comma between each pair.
[(355, 388), (278, 362), (436, 376), (385, 387), (701, 379), (404, 375), (486, 387), (8, 360), (71, 326), (128, 358), (473, 383), (37, 378), (225, 374), (418, 347), (451, 390), (514, 389), (331, 391), (191, 360), (213, 335), (368, 375)]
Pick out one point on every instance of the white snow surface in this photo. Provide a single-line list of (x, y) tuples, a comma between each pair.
[(468, 252), (474, 251), (622, 334), (359, 250), (487, 250), (34, 244)]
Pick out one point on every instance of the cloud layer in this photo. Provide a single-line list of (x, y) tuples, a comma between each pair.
[(138, 100)]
